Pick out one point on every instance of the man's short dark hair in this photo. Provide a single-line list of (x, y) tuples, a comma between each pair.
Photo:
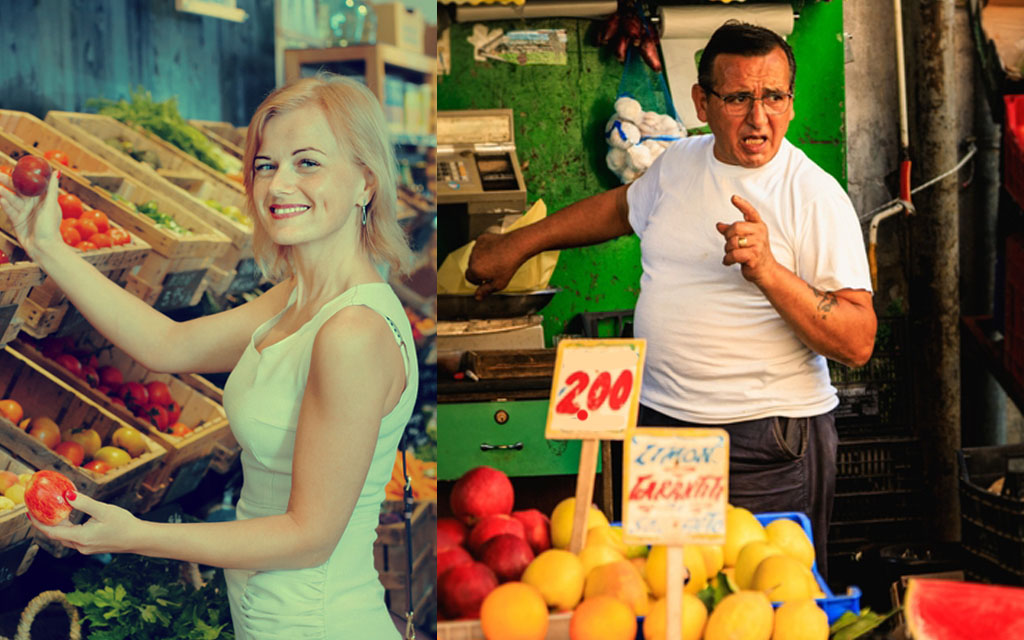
[(741, 38)]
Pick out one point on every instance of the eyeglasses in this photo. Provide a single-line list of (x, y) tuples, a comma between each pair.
[(740, 104)]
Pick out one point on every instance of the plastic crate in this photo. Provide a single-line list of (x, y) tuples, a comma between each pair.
[(878, 465), (1013, 147), (992, 525), (1013, 307), (873, 399), (833, 605)]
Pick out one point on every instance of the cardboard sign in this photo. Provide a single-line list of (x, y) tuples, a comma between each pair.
[(595, 392), (675, 486)]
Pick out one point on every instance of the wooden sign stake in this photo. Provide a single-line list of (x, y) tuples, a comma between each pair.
[(584, 493), (674, 574)]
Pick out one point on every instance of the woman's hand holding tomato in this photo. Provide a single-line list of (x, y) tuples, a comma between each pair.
[(36, 219)]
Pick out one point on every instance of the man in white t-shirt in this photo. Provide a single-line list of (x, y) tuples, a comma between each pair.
[(754, 272)]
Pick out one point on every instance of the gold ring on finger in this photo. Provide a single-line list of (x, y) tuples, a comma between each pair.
[(742, 242)]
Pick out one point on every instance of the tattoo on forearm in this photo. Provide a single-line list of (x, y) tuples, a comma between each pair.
[(826, 301)]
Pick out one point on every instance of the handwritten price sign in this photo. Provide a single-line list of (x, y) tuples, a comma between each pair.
[(596, 388), (675, 486)]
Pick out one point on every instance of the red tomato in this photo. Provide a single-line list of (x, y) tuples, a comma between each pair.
[(70, 235), (101, 240), (31, 175), (98, 466), (98, 218), (174, 410), (71, 363), (134, 395), (85, 245), (87, 228), (74, 452), (11, 410), (159, 393), (4, 259), (89, 375), (70, 205), (119, 236), (157, 416), (56, 155), (111, 376)]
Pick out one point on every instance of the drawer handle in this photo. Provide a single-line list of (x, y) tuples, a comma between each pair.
[(491, 447)]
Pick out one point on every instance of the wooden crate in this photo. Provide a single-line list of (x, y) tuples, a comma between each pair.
[(16, 559), (558, 628), (389, 558), (14, 524), (42, 393), (198, 411), (93, 129), (16, 281), (227, 450), (224, 130), (197, 191), (222, 134), (29, 132), (40, 321), (218, 280)]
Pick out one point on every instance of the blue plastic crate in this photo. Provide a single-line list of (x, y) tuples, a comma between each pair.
[(833, 605)]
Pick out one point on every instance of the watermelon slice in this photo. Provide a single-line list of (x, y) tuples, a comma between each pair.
[(952, 610)]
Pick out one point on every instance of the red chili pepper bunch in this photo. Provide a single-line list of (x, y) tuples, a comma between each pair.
[(628, 27)]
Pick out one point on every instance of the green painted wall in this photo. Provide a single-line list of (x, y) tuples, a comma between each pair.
[(560, 113)]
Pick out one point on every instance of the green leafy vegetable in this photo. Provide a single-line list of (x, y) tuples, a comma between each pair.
[(137, 597), (850, 626), (164, 119)]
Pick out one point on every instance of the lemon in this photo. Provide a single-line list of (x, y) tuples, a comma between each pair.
[(16, 493), (657, 569), (800, 620), (741, 527), (744, 615), (749, 557), (561, 522), (714, 558), (558, 575), (783, 578), (6, 504), (598, 554), (695, 616), (789, 536), (605, 534)]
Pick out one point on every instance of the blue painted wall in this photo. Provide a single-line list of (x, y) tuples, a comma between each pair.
[(55, 54)]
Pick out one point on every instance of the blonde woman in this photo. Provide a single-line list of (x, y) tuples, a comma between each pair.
[(324, 372)]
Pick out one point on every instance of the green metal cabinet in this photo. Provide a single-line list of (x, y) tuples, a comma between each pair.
[(490, 433)]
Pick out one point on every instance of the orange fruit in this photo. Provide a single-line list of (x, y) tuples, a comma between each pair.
[(11, 410), (602, 618), (514, 611)]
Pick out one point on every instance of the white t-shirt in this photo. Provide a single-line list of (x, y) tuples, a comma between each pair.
[(717, 351)]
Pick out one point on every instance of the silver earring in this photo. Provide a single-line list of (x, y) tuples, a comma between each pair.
[(363, 207)]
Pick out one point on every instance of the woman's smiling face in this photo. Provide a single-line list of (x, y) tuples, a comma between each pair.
[(306, 185)]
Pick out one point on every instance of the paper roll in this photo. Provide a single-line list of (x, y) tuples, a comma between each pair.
[(685, 30)]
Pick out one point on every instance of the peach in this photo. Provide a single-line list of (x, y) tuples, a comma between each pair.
[(538, 529), (45, 496), (462, 589), (7, 478), (490, 526), (507, 555), (481, 492), (450, 533)]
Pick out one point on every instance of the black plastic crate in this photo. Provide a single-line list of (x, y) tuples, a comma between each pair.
[(992, 525), (874, 399), (878, 531), (877, 465), (872, 505)]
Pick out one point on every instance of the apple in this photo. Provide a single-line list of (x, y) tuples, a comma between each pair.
[(493, 525), (450, 533), (538, 528), (7, 479), (462, 589), (451, 557), (45, 496), (31, 175), (507, 555), (481, 492)]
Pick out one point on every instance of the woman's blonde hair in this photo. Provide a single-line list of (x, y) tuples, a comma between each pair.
[(355, 116)]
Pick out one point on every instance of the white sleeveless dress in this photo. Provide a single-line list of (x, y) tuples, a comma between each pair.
[(342, 598)]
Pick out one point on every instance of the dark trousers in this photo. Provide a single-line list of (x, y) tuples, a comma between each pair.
[(778, 464)]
